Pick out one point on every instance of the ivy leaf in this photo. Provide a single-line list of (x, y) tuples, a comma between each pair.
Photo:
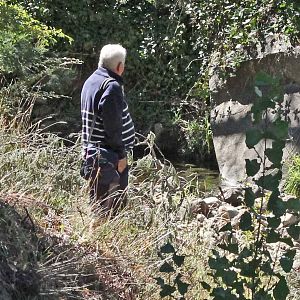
[(253, 136), (275, 153), (276, 204), (281, 289), (167, 248), (249, 197), (273, 222), (182, 286), (249, 269), (246, 252), (252, 167), (273, 237), (287, 260), (262, 295), (206, 286), (166, 268), (270, 181), (293, 204), (267, 268), (246, 221), (226, 227), (229, 277), (167, 290), (232, 248), (178, 260), (294, 231), (280, 129), (222, 294), (160, 281), (287, 241)]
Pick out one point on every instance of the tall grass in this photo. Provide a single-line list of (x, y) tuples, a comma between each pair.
[(39, 173), (292, 185)]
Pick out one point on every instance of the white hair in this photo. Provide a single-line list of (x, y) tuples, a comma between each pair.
[(111, 55)]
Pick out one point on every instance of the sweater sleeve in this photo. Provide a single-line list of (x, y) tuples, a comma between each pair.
[(112, 120)]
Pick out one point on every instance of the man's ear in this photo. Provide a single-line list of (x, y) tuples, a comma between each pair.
[(119, 66)]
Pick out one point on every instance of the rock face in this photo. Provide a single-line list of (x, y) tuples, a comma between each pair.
[(232, 101)]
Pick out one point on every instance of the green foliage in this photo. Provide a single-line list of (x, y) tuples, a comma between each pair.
[(171, 46), (170, 268), (23, 39), (292, 185), (246, 270)]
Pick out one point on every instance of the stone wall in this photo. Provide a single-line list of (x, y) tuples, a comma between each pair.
[(230, 116)]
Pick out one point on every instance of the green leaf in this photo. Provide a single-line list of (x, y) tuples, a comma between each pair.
[(182, 286), (229, 277), (273, 237), (249, 197), (275, 153), (293, 204), (167, 248), (232, 248), (167, 290), (219, 263), (273, 222), (294, 231), (222, 294), (178, 260), (280, 129), (246, 221), (287, 260), (276, 204), (248, 269), (270, 181), (287, 241), (166, 268), (281, 290), (267, 268), (253, 136), (262, 295), (226, 227), (160, 281), (252, 167), (246, 252), (206, 286)]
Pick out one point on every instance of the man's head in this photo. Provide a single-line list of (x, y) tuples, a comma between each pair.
[(112, 57)]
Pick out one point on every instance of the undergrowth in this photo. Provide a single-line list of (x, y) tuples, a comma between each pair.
[(75, 255)]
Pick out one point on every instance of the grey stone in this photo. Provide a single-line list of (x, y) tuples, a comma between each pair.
[(233, 196), (228, 212), (289, 219), (205, 206), (232, 100)]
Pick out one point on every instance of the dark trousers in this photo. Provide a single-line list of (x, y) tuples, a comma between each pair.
[(108, 186)]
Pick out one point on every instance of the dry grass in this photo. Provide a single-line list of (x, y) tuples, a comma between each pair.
[(116, 259)]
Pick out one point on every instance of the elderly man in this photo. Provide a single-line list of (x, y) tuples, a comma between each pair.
[(107, 131)]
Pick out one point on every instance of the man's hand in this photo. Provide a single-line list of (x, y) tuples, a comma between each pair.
[(122, 165)]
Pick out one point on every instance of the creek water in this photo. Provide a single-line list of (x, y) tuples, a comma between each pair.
[(206, 179)]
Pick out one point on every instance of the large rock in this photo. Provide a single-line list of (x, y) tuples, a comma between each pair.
[(232, 100)]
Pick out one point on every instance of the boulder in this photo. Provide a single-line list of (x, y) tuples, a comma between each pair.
[(228, 212), (232, 100), (233, 196), (205, 206)]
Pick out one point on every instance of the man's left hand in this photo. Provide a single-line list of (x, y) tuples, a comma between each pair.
[(122, 164)]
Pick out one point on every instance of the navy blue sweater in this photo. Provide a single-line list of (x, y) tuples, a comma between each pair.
[(113, 127)]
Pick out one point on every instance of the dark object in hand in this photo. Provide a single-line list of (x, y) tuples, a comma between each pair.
[(90, 166)]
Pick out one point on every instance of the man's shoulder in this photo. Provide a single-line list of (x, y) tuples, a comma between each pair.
[(114, 86)]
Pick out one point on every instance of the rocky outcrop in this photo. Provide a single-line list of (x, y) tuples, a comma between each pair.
[(232, 100)]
